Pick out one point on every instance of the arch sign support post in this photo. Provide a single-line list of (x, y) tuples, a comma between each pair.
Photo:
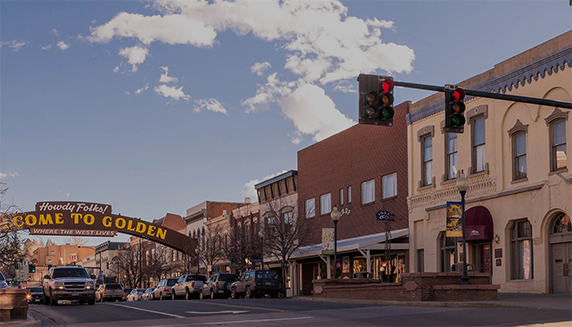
[(95, 219)]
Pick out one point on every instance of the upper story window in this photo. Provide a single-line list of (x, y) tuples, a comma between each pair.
[(519, 151), (479, 145), (558, 156), (349, 194), (310, 208), (451, 159), (427, 165), (325, 203), (368, 191), (341, 196), (389, 183)]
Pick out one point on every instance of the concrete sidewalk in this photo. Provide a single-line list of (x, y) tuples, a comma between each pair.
[(30, 322), (505, 300)]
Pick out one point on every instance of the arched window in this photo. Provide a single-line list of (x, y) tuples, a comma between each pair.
[(518, 138), (562, 224), (556, 122)]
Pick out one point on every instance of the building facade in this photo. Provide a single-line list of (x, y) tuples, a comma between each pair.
[(244, 250), (362, 171), (107, 257), (516, 158)]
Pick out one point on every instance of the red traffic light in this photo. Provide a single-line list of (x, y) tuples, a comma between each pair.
[(386, 86), (458, 95)]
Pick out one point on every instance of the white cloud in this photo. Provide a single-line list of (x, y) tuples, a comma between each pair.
[(345, 87), (10, 174), (143, 89), (249, 189), (268, 93), (296, 138), (116, 69), (55, 32), (259, 67), (165, 78), (127, 92), (171, 92), (136, 55), (67, 195), (14, 44), (47, 47), (63, 46), (313, 112), (209, 104)]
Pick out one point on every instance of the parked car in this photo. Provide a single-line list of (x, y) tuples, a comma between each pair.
[(256, 283), (147, 295), (68, 283), (36, 294), (135, 294), (126, 292), (109, 292), (218, 285), (163, 289), (3, 283), (188, 286)]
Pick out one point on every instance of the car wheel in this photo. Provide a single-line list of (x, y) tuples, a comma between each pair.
[(91, 302), (212, 294), (187, 294), (274, 295), (81, 302), (201, 296), (248, 293), (233, 293)]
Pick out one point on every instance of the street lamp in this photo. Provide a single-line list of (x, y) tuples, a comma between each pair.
[(463, 185), (335, 217)]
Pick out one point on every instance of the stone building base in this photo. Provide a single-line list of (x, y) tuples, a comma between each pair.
[(13, 304), (413, 287)]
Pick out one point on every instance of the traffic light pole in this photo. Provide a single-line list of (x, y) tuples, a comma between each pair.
[(498, 96)]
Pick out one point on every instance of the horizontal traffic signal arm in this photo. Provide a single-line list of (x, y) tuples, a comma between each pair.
[(498, 96)]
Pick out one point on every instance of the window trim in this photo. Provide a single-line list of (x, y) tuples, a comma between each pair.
[(383, 184), (341, 196), (474, 147), (362, 192), (556, 117), (423, 162), (349, 194), (306, 208), (446, 175), (518, 129), (330, 210)]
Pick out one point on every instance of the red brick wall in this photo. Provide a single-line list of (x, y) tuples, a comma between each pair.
[(358, 154), (215, 209)]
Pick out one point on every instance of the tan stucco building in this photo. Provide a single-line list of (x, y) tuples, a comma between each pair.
[(517, 160)]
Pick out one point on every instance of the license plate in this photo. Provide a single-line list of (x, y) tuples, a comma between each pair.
[(74, 293), (268, 283)]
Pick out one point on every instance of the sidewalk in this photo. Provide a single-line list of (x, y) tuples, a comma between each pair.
[(505, 300), (30, 322)]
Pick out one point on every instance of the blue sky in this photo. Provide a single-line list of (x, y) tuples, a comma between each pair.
[(86, 114)]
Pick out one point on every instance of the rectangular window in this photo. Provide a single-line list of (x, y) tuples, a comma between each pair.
[(451, 156), (521, 248), (349, 194), (448, 253), (310, 208), (341, 196), (519, 144), (420, 260), (289, 220), (325, 204), (368, 191), (558, 152), (389, 183), (427, 160), (479, 148)]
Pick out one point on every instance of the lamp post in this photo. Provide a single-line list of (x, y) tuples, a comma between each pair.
[(198, 260), (335, 217), (261, 234), (463, 185)]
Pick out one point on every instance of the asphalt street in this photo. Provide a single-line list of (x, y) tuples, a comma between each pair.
[(284, 312)]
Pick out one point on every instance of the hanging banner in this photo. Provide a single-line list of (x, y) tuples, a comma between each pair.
[(327, 241), (454, 223)]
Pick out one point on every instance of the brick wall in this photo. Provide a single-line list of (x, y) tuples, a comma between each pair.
[(355, 155)]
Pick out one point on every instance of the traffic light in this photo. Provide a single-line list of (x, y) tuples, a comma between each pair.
[(376, 100), (454, 109), (32, 269)]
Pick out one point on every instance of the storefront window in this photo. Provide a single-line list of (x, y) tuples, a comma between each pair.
[(448, 252), (521, 239)]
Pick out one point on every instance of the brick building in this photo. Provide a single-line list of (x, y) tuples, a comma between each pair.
[(244, 249), (362, 169)]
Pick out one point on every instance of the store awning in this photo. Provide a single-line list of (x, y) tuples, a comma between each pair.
[(479, 224)]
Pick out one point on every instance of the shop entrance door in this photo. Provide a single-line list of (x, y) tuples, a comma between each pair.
[(561, 262), (482, 257)]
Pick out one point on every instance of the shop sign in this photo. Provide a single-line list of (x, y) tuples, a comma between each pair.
[(383, 215), (327, 241), (454, 221)]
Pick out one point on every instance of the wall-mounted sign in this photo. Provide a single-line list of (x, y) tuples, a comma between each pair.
[(94, 219), (383, 215), (327, 241), (454, 222)]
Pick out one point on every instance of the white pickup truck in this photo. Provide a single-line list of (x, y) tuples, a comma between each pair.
[(188, 286), (68, 283)]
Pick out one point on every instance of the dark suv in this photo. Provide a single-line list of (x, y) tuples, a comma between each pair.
[(256, 283)]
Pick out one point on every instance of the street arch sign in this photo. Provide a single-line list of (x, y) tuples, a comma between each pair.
[(95, 219)]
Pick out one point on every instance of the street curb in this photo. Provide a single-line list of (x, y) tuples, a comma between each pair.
[(30, 322), (412, 303)]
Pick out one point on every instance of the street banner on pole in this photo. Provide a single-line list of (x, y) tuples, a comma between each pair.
[(454, 223), (327, 241)]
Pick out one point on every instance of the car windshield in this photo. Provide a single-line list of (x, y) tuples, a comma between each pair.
[(113, 287), (140, 290), (199, 278), (227, 278), (36, 290), (266, 274), (171, 282), (70, 272)]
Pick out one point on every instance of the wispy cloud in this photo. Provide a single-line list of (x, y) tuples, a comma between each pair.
[(63, 46), (136, 55), (209, 104), (165, 78), (249, 189), (14, 44), (47, 47), (171, 92), (143, 89), (10, 174), (259, 67), (55, 32)]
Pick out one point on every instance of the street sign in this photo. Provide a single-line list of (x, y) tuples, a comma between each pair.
[(327, 241), (383, 215)]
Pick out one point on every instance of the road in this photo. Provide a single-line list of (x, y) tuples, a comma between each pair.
[(284, 312)]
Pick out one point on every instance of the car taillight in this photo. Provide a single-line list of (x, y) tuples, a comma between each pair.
[(193, 284), (103, 292), (254, 283), (216, 284), (121, 292)]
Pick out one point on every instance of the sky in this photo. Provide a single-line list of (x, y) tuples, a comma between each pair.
[(156, 106)]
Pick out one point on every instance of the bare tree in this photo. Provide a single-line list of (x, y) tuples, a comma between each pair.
[(159, 264), (213, 246), (127, 264), (75, 240), (239, 248), (11, 245), (283, 232)]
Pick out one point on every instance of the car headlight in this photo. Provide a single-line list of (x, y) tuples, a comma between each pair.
[(59, 284)]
